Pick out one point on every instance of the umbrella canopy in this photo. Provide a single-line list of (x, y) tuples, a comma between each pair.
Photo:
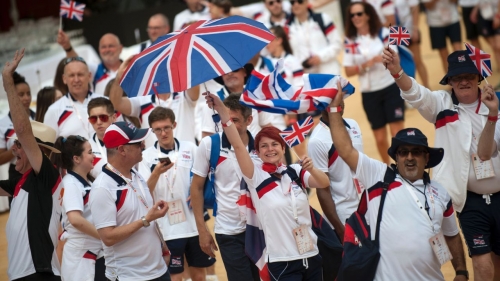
[(200, 52)]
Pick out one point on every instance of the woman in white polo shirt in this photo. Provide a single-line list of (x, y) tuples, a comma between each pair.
[(83, 244), (381, 99), (280, 203)]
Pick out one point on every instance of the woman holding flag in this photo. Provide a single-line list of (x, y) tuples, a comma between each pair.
[(364, 43), (280, 201)]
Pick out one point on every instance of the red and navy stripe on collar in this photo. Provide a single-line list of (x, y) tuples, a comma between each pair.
[(121, 194), (84, 183)]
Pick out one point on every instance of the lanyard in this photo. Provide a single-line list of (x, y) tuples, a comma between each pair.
[(78, 114), (141, 198), (98, 143), (422, 210), (294, 204), (170, 185)]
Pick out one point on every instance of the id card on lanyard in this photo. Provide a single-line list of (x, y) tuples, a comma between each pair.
[(482, 169), (301, 234)]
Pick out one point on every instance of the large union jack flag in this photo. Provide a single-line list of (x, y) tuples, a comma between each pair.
[(271, 93), (481, 59), (351, 47), (296, 133), (72, 10), (199, 52), (399, 35)]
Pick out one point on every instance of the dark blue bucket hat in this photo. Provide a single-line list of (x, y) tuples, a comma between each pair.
[(413, 136), (459, 62)]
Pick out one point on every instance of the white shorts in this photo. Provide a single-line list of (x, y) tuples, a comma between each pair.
[(78, 261)]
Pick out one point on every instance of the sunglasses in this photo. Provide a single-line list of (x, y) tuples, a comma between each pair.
[(296, 1), (68, 60), (359, 14), (459, 78), (415, 152), (102, 117), (270, 3)]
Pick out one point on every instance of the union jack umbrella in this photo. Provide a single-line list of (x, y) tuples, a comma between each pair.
[(71, 10), (199, 52), (296, 133), (481, 59), (351, 47), (399, 35)]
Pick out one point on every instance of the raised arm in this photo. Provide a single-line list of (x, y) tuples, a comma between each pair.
[(244, 160), (63, 41), (20, 119), (339, 133), (330, 210), (120, 103), (487, 145)]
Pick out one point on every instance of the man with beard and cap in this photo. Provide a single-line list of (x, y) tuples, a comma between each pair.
[(36, 205), (466, 125), (417, 211)]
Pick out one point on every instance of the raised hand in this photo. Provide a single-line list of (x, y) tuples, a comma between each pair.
[(490, 99), (391, 59), (11, 66)]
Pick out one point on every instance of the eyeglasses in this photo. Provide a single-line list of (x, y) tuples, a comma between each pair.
[(102, 117), (459, 78), (296, 1), (415, 152), (68, 60), (270, 3), (359, 14), (17, 143), (165, 129)]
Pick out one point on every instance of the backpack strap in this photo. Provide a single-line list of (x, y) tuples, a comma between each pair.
[(389, 177), (319, 19), (293, 175), (214, 158)]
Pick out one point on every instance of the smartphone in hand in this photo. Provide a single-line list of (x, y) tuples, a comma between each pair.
[(165, 160)]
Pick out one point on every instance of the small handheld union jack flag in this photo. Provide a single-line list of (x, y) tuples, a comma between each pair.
[(480, 59), (72, 10), (296, 133), (399, 35), (351, 47)]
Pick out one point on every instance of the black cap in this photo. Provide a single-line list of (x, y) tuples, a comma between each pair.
[(413, 136), (248, 69), (459, 62)]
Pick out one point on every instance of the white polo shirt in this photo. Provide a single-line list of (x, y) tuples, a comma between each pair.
[(187, 17), (403, 8), (273, 204), (326, 158), (382, 7), (69, 117), (377, 77), (406, 253), (172, 185), (260, 119), (180, 103), (227, 182), (100, 155), (7, 132), (444, 13), (139, 257), (76, 198)]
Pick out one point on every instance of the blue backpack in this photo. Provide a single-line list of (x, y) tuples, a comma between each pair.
[(405, 57), (209, 201), (361, 253)]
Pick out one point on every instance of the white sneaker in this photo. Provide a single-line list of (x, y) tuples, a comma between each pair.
[(212, 278)]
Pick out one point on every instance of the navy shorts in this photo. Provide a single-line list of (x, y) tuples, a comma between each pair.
[(439, 35), (471, 29), (480, 223), (296, 271), (384, 106), (486, 27), (190, 247)]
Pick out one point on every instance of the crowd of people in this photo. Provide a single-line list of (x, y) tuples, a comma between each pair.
[(110, 187)]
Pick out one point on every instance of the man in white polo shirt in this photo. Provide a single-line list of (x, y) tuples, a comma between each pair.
[(183, 104), (229, 226), (68, 115), (133, 246), (170, 179), (417, 214)]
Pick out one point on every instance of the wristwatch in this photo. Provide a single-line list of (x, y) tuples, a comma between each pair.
[(145, 223), (463, 272)]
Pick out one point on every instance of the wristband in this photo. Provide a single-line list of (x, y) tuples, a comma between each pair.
[(334, 109), (68, 49), (227, 124), (166, 253), (493, 118), (398, 75)]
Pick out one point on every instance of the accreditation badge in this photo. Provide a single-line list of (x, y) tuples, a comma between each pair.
[(176, 212), (303, 239)]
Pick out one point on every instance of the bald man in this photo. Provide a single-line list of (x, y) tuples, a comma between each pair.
[(110, 49), (158, 25)]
